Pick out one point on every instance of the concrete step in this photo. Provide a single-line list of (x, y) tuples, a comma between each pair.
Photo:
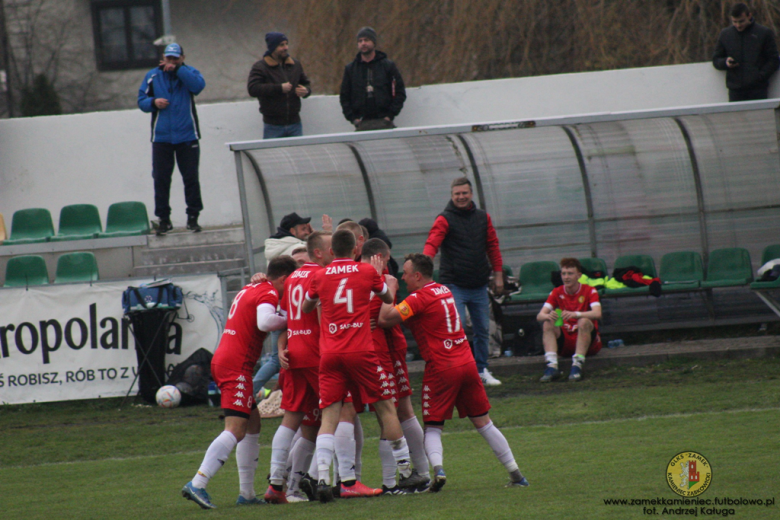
[(210, 266), (187, 254), (180, 237)]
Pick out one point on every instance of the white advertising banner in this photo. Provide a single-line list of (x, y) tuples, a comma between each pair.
[(63, 342)]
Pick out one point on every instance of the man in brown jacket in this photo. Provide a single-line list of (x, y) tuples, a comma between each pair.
[(279, 83)]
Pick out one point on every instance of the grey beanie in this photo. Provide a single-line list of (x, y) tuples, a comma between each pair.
[(367, 32)]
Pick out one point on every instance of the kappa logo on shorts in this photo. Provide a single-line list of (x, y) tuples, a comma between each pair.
[(241, 378), (240, 394), (426, 405), (405, 388), (382, 376), (426, 412), (238, 402), (333, 328), (378, 368), (426, 396), (240, 386), (386, 392), (398, 364), (400, 372), (385, 384), (306, 417), (392, 384), (403, 380), (426, 389)]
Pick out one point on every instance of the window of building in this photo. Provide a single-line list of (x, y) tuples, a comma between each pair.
[(125, 32)]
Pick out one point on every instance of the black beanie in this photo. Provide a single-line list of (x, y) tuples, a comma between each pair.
[(273, 40), (367, 32)]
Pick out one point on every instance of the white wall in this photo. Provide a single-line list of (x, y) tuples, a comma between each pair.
[(105, 157)]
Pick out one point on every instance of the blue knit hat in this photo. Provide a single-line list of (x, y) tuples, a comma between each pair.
[(273, 40)]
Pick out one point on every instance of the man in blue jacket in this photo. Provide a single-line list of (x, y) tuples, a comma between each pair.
[(168, 93)]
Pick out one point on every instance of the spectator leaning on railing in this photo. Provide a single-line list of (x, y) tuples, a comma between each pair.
[(469, 248)]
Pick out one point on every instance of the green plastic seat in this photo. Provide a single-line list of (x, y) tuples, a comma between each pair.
[(770, 253), (78, 222), (76, 267), (681, 271), (645, 264), (535, 281), (30, 226), (594, 264), (22, 271), (126, 219), (507, 271), (728, 267)]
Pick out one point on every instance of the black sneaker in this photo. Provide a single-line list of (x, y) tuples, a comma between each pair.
[(324, 492), (192, 225), (309, 486), (412, 481), (163, 227), (395, 490)]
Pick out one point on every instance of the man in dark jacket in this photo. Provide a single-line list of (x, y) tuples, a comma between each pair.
[(279, 83), (469, 249), (168, 92), (372, 90), (747, 52)]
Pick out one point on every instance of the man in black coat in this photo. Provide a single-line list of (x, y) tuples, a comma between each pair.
[(372, 89), (747, 52), (279, 83)]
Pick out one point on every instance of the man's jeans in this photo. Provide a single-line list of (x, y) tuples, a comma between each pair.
[(271, 367), (479, 308), (274, 131)]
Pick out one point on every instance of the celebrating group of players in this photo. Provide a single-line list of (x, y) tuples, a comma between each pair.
[(344, 350)]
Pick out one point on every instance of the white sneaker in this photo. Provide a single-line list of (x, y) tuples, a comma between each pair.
[(297, 496), (488, 379)]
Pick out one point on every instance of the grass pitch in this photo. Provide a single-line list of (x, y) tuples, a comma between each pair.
[(608, 437)]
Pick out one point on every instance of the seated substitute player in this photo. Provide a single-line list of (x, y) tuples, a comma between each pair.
[(252, 315), (579, 335), (300, 384), (348, 362), (450, 378)]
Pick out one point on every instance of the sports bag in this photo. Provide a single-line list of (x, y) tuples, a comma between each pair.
[(153, 296)]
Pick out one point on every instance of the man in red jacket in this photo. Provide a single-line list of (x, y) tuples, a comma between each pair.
[(469, 248)]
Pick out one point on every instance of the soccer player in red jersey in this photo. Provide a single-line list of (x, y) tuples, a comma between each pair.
[(348, 362), (579, 335), (300, 381), (252, 315), (389, 348), (450, 378)]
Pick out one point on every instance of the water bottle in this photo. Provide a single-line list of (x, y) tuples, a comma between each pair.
[(213, 394), (559, 321)]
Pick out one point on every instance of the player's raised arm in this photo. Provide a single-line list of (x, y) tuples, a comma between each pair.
[(309, 304)]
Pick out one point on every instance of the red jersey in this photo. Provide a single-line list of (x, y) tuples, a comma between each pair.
[(242, 341), (344, 289), (431, 314), (581, 301), (303, 330), (379, 334)]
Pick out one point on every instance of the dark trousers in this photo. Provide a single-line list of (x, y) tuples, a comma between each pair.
[(164, 157), (750, 94)]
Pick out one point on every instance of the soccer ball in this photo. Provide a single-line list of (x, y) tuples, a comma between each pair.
[(168, 396)]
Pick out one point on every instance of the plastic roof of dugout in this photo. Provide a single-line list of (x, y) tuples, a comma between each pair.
[(604, 185)]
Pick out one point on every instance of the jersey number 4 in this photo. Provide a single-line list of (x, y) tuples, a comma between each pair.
[(451, 315), (343, 296)]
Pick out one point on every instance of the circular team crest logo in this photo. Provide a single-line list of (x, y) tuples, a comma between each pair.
[(582, 299), (332, 328), (689, 474), (448, 343), (289, 333)]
